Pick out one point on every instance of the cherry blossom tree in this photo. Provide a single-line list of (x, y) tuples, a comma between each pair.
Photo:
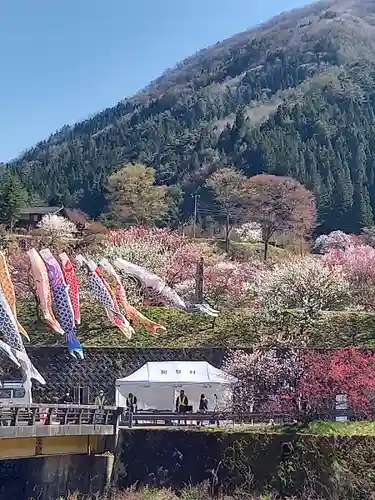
[(258, 374), (357, 264), (280, 205), (164, 237), (57, 229), (267, 379), (174, 258), (227, 284), (336, 240)]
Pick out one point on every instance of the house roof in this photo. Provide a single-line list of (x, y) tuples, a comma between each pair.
[(39, 210)]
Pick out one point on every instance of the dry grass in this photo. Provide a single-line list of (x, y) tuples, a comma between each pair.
[(201, 492)]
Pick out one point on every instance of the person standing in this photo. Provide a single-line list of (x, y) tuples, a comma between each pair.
[(66, 399), (203, 406), (131, 403), (182, 402), (100, 399)]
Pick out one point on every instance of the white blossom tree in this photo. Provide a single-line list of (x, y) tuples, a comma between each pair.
[(57, 229), (304, 284), (292, 296), (249, 232), (336, 240)]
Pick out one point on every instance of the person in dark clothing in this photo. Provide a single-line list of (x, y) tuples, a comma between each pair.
[(66, 399), (203, 406), (131, 403), (182, 403), (100, 399)]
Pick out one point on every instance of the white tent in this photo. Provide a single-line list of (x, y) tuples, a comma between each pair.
[(157, 385)]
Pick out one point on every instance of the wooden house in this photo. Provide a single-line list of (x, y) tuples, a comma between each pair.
[(29, 217)]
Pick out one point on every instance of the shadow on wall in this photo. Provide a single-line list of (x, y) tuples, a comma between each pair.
[(329, 467), (54, 477)]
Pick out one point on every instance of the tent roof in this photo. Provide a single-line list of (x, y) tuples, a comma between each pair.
[(169, 372)]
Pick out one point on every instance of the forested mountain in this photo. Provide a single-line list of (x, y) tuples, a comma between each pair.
[(295, 96)]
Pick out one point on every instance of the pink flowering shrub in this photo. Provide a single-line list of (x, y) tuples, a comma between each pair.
[(357, 264), (164, 237), (174, 258), (302, 381), (343, 371)]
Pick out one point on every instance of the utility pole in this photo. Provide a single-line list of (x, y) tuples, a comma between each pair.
[(196, 197), (199, 281), (227, 227)]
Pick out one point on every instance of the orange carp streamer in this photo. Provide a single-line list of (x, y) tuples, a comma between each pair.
[(43, 290), (8, 291)]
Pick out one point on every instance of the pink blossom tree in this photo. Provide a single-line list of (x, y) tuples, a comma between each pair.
[(267, 380), (357, 264), (174, 258)]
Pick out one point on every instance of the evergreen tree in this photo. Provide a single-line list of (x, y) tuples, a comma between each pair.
[(13, 196), (259, 104)]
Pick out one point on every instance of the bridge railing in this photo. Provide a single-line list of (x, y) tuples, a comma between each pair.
[(151, 418), (69, 414), (24, 415)]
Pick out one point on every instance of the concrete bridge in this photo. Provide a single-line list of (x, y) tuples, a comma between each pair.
[(44, 430)]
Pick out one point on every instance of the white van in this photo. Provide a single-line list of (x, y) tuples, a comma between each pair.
[(15, 392)]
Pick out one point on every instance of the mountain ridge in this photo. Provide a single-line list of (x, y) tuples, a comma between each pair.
[(218, 107)]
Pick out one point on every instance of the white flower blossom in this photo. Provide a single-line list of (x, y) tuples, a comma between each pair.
[(57, 228)]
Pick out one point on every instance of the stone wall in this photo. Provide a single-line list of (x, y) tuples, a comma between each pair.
[(52, 478), (100, 368)]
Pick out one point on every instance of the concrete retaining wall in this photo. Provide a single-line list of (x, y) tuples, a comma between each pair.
[(51, 478)]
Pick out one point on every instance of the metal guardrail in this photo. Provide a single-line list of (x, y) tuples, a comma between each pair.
[(69, 414), (25, 415), (155, 418), (169, 418)]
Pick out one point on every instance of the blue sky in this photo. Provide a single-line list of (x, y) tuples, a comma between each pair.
[(63, 60)]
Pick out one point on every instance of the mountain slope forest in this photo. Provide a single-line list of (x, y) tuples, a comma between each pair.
[(294, 97)]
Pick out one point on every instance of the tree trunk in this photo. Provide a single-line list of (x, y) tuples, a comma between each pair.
[(265, 252)]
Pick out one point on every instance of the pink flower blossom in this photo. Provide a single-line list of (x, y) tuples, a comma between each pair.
[(357, 263)]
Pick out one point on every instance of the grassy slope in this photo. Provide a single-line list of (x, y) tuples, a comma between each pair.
[(317, 428), (235, 328)]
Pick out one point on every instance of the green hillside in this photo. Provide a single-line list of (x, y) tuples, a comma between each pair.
[(295, 96), (235, 328)]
